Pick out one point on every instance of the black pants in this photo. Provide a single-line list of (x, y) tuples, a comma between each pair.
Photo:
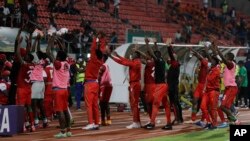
[(243, 94), (144, 104), (175, 102)]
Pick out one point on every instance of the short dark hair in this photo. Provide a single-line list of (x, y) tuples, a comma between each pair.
[(231, 56), (61, 55), (241, 62)]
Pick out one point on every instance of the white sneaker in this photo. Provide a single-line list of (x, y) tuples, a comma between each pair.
[(134, 125), (89, 127)]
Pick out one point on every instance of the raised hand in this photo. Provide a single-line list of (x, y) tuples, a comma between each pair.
[(169, 41)]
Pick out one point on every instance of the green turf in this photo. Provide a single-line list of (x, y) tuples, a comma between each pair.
[(205, 135)]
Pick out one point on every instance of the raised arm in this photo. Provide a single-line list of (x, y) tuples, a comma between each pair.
[(218, 52), (197, 54), (170, 49), (121, 60), (150, 49), (49, 48), (18, 50)]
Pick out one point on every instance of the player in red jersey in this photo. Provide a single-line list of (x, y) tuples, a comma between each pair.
[(203, 71), (134, 82), (23, 96), (48, 95), (60, 83), (91, 86), (106, 88), (161, 88), (211, 94)]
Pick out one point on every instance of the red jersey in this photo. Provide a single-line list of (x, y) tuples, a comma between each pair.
[(134, 68), (203, 71), (213, 79), (48, 87), (149, 72), (23, 79), (94, 64)]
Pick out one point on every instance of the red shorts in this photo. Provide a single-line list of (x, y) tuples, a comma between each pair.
[(229, 96), (149, 91), (199, 90), (23, 96), (105, 93), (61, 100)]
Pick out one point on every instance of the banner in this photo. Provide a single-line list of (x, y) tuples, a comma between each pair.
[(11, 120)]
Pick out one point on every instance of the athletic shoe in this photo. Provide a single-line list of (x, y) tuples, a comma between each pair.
[(209, 126), (68, 134), (223, 125), (108, 122), (91, 127), (200, 123), (134, 125), (149, 126), (167, 127), (60, 135), (45, 124), (32, 128), (96, 127)]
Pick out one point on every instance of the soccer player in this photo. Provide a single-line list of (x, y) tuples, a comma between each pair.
[(197, 96), (105, 83), (23, 95), (211, 94), (91, 86), (134, 84), (160, 87), (37, 77), (48, 94), (173, 82), (60, 87), (231, 88)]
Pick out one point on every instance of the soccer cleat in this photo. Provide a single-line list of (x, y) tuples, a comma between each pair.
[(134, 125), (60, 135), (149, 126), (103, 123), (68, 134), (167, 127), (223, 125)]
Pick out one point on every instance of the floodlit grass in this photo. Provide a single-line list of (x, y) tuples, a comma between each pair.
[(205, 135)]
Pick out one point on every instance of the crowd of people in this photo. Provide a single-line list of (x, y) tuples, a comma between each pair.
[(40, 81)]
